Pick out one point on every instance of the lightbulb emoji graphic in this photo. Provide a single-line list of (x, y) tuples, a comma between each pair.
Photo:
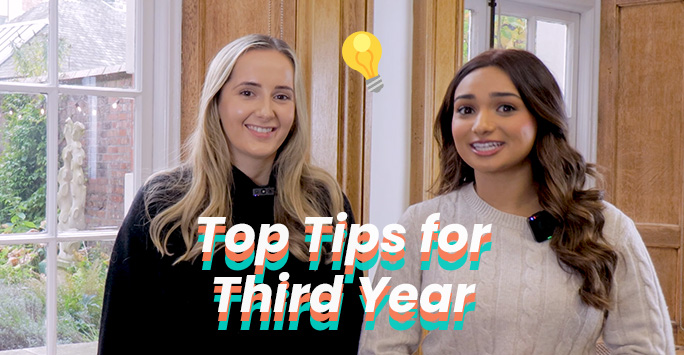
[(361, 51)]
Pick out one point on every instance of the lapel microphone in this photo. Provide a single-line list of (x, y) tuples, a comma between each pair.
[(543, 224), (263, 191)]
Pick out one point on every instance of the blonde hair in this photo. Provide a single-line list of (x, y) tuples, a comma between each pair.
[(201, 186)]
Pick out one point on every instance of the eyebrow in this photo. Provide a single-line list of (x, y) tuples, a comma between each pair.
[(465, 97), (503, 94), (251, 83), (494, 94)]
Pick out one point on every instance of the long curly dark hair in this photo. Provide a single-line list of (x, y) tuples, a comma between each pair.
[(559, 171)]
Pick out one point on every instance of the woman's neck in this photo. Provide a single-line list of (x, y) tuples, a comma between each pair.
[(513, 192), (257, 171)]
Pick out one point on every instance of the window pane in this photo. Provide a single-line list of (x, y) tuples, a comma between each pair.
[(82, 274), (23, 40), (95, 49), (96, 153), (22, 296), (551, 48), (22, 163), (510, 32), (467, 19)]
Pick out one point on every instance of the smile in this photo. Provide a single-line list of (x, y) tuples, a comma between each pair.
[(260, 129), (486, 148)]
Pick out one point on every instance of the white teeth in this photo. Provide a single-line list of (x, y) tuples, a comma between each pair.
[(487, 146), (260, 129)]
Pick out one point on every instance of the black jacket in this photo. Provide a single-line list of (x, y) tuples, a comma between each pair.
[(154, 307)]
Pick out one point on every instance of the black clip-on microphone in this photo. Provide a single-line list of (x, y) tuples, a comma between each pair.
[(263, 191), (543, 225)]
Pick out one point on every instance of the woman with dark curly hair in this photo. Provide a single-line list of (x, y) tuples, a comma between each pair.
[(504, 157)]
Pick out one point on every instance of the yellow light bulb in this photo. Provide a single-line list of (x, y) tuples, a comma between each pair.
[(361, 51)]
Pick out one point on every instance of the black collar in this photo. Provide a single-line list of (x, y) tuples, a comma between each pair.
[(243, 186)]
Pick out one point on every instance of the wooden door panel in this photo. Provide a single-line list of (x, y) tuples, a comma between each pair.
[(660, 235), (641, 130), (437, 48), (339, 103), (665, 262), (323, 75), (227, 20), (649, 107)]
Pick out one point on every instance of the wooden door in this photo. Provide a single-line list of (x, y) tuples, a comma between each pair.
[(641, 129), (437, 54), (337, 99)]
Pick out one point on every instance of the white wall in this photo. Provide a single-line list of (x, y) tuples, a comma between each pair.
[(390, 136)]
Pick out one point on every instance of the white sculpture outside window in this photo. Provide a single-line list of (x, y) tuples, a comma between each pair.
[(72, 187)]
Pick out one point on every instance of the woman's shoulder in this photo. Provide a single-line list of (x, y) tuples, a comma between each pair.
[(165, 188), (167, 179), (161, 191), (618, 228), (440, 203)]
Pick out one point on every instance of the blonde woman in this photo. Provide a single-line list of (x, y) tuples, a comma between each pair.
[(247, 162)]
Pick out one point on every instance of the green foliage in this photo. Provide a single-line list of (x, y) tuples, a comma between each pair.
[(22, 316), (20, 263), (30, 59), (466, 35), (512, 32), (22, 295), (80, 298), (23, 152), (23, 163)]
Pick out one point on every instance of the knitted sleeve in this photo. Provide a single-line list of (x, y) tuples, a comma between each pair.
[(383, 338), (638, 321)]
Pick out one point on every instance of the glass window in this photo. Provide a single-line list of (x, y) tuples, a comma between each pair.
[(96, 150), (22, 296), (510, 32), (69, 103), (80, 292), (24, 40), (467, 19), (551, 48), (95, 41), (23, 142)]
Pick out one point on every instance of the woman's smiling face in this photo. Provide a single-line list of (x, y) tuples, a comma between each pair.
[(257, 106), (492, 129)]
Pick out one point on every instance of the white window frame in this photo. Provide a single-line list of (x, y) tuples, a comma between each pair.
[(157, 115), (479, 26), (584, 101)]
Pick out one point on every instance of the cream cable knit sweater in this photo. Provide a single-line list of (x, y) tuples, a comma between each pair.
[(525, 302)]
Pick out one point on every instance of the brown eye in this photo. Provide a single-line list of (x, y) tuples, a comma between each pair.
[(465, 110), (506, 108)]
